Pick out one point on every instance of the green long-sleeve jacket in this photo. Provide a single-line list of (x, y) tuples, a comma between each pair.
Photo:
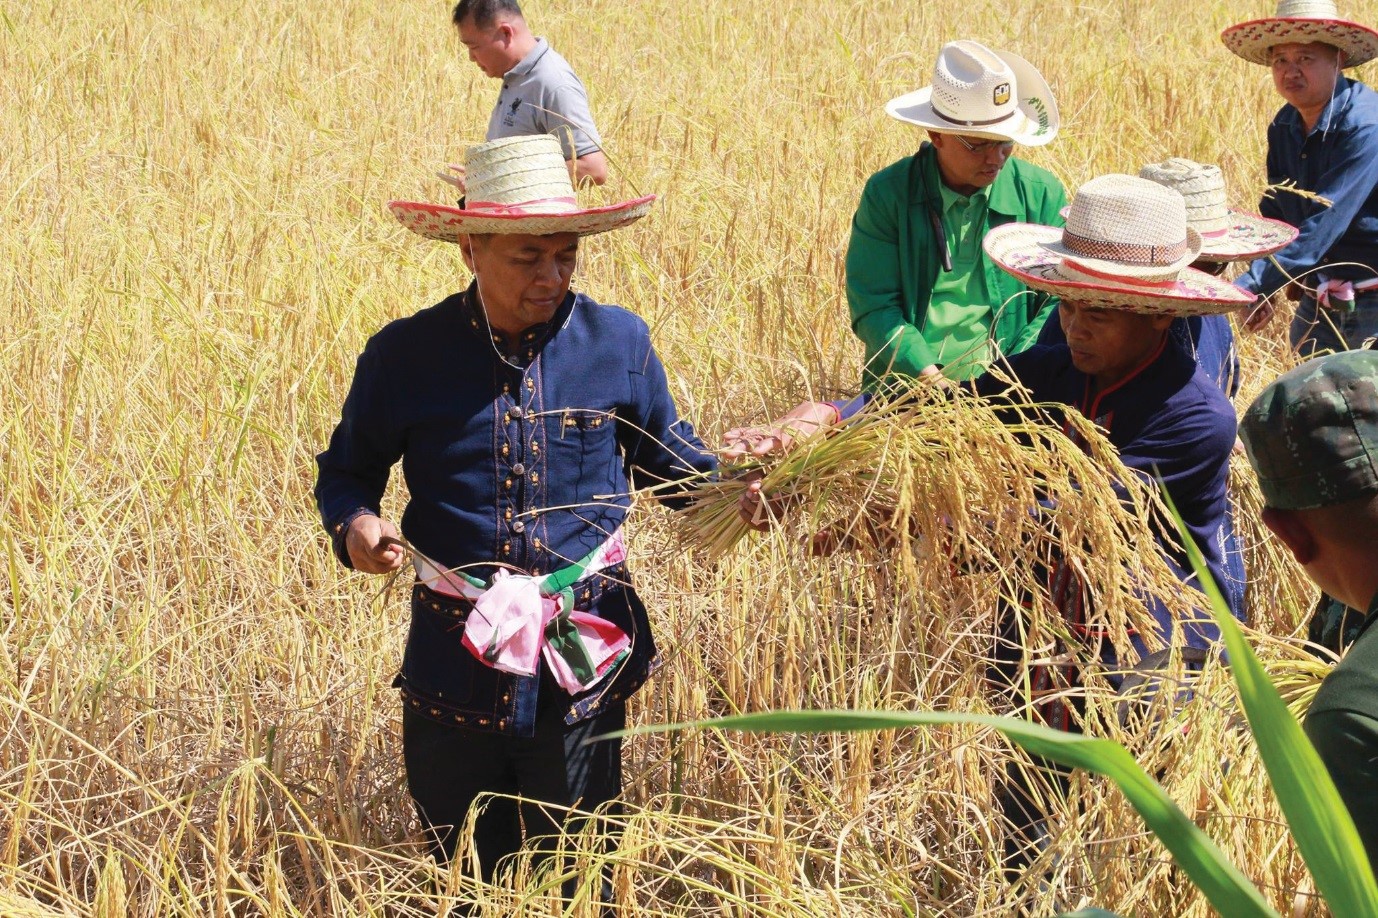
[(893, 260)]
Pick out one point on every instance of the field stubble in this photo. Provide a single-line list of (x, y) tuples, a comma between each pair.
[(194, 711)]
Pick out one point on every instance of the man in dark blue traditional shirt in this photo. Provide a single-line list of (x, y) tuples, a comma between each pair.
[(1227, 235), (1324, 173), (523, 414), (1121, 270), (1121, 267)]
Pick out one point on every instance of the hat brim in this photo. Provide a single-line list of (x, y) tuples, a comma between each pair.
[(1248, 236), (1251, 40), (1033, 123), (448, 224), (1032, 254)]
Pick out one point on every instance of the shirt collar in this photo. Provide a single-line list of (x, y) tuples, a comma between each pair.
[(525, 65), (1165, 371), (1002, 196), (1004, 192), (1331, 116), (1372, 615), (953, 199), (524, 345)]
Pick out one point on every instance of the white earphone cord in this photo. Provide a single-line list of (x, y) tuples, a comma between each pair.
[(483, 310)]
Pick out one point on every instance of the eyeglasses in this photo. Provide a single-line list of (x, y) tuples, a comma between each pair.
[(986, 146)]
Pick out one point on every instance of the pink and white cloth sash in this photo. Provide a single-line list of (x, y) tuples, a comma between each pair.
[(1339, 294), (517, 620)]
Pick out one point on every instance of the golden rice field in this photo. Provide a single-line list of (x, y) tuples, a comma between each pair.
[(195, 712)]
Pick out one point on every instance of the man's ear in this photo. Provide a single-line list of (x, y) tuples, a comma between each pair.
[(1292, 530), (466, 248)]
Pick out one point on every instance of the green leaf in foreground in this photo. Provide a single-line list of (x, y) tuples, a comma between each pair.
[(1228, 890), (1319, 821)]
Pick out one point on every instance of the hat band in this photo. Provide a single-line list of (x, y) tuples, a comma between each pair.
[(971, 123), (1128, 252), (1081, 272), (534, 206)]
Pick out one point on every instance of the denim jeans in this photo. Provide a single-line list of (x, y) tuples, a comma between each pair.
[(1316, 331)]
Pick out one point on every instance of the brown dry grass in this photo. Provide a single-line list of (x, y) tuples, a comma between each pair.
[(194, 711)]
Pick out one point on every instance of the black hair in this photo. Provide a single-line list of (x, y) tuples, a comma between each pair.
[(483, 12)]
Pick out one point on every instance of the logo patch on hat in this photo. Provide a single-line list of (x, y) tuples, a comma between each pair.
[(1002, 93)]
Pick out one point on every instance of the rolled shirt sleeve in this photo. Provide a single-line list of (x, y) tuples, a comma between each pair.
[(571, 120), (1347, 228)]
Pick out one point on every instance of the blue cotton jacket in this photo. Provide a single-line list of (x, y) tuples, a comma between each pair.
[(1210, 339), (1337, 160), (1168, 420), (528, 466)]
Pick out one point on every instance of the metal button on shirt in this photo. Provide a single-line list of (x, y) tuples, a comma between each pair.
[(518, 469), (515, 411), (519, 527)]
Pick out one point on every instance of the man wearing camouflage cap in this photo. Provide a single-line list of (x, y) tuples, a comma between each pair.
[(1312, 437)]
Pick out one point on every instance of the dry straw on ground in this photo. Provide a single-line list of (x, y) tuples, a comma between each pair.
[(194, 706)]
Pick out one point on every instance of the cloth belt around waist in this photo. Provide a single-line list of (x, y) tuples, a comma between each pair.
[(1333, 293), (517, 619)]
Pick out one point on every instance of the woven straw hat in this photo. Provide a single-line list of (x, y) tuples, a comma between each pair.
[(1226, 234), (982, 93), (1302, 21), (1126, 245), (516, 185)]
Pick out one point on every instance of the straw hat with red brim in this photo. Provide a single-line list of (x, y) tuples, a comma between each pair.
[(1226, 234), (1126, 246), (1302, 22), (516, 185)]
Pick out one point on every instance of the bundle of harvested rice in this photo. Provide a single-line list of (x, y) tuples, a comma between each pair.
[(932, 487)]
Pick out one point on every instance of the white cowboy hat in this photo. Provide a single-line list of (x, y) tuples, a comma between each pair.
[(516, 185), (1126, 245), (1226, 234), (982, 93), (1302, 21)]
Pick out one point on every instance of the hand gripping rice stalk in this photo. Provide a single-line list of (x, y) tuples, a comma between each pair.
[(930, 487)]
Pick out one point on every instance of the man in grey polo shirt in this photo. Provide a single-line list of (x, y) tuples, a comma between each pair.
[(540, 92)]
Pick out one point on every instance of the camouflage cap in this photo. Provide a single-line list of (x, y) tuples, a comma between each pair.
[(1312, 435)]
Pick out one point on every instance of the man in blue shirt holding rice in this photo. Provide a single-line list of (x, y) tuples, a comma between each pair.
[(523, 414), (1121, 270), (1321, 143)]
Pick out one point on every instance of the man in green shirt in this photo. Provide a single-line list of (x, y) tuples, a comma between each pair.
[(1312, 437), (924, 298)]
